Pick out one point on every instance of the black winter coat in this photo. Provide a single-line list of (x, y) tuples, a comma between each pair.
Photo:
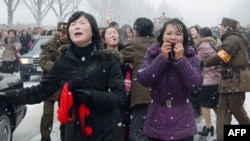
[(103, 77)]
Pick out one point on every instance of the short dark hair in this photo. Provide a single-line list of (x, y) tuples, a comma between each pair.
[(12, 30), (205, 32), (96, 35), (144, 27), (114, 23)]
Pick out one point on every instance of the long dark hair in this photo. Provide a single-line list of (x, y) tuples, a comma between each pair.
[(96, 39), (180, 26)]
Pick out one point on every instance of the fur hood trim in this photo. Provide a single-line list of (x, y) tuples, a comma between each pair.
[(105, 53), (110, 53)]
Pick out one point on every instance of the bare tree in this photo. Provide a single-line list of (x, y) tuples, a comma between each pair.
[(11, 7), (101, 7), (39, 9), (63, 8), (124, 12)]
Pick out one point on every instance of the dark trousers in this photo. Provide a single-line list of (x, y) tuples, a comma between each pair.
[(46, 124), (138, 114), (47, 120), (9, 66), (194, 100), (230, 104)]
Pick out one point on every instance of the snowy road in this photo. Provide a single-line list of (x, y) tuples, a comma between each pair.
[(29, 129)]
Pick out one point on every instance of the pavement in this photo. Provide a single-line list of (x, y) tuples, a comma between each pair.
[(55, 134)]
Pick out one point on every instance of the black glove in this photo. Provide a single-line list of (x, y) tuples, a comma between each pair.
[(76, 86), (83, 96), (3, 97), (76, 83)]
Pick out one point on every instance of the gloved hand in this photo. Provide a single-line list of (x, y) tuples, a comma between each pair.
[(76, 86), (83, 96), (3, 97), (76, 83)]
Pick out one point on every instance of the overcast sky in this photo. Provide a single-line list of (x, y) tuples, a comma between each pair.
[(210, 12), (202, 12)]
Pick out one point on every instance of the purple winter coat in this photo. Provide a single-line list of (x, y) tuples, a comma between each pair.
[(170, 114)]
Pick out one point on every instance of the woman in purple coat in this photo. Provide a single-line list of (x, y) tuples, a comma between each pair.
[(171, 70)]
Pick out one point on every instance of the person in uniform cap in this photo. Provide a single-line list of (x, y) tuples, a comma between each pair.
[(62, 26), (229, 23), (50, 50), (232, 56), (62, 32)]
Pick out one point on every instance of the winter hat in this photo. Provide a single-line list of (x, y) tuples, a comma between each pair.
[(229, 22), (62, 26), (205, 32)]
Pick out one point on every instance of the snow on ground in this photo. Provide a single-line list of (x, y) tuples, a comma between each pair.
[(55, 135)]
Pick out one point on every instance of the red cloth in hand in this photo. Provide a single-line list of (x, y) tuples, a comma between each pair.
[(83, 113), (64, 114), (66, 103)]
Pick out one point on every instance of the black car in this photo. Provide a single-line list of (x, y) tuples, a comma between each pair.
[(29, 62), (10, 115)]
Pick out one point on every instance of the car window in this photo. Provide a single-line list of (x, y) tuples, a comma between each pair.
[(38, 42)]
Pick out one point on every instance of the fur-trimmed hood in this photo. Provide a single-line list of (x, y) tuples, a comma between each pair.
[(104, 53), (110, 53), (213, 42), (207, 39)]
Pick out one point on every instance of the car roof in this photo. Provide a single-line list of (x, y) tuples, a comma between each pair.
[(8, 80)]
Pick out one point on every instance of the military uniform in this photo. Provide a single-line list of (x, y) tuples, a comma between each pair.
[(233, 57), (50, 50)]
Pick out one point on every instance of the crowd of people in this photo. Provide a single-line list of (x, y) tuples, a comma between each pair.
[(133, 83), (16, 42)]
